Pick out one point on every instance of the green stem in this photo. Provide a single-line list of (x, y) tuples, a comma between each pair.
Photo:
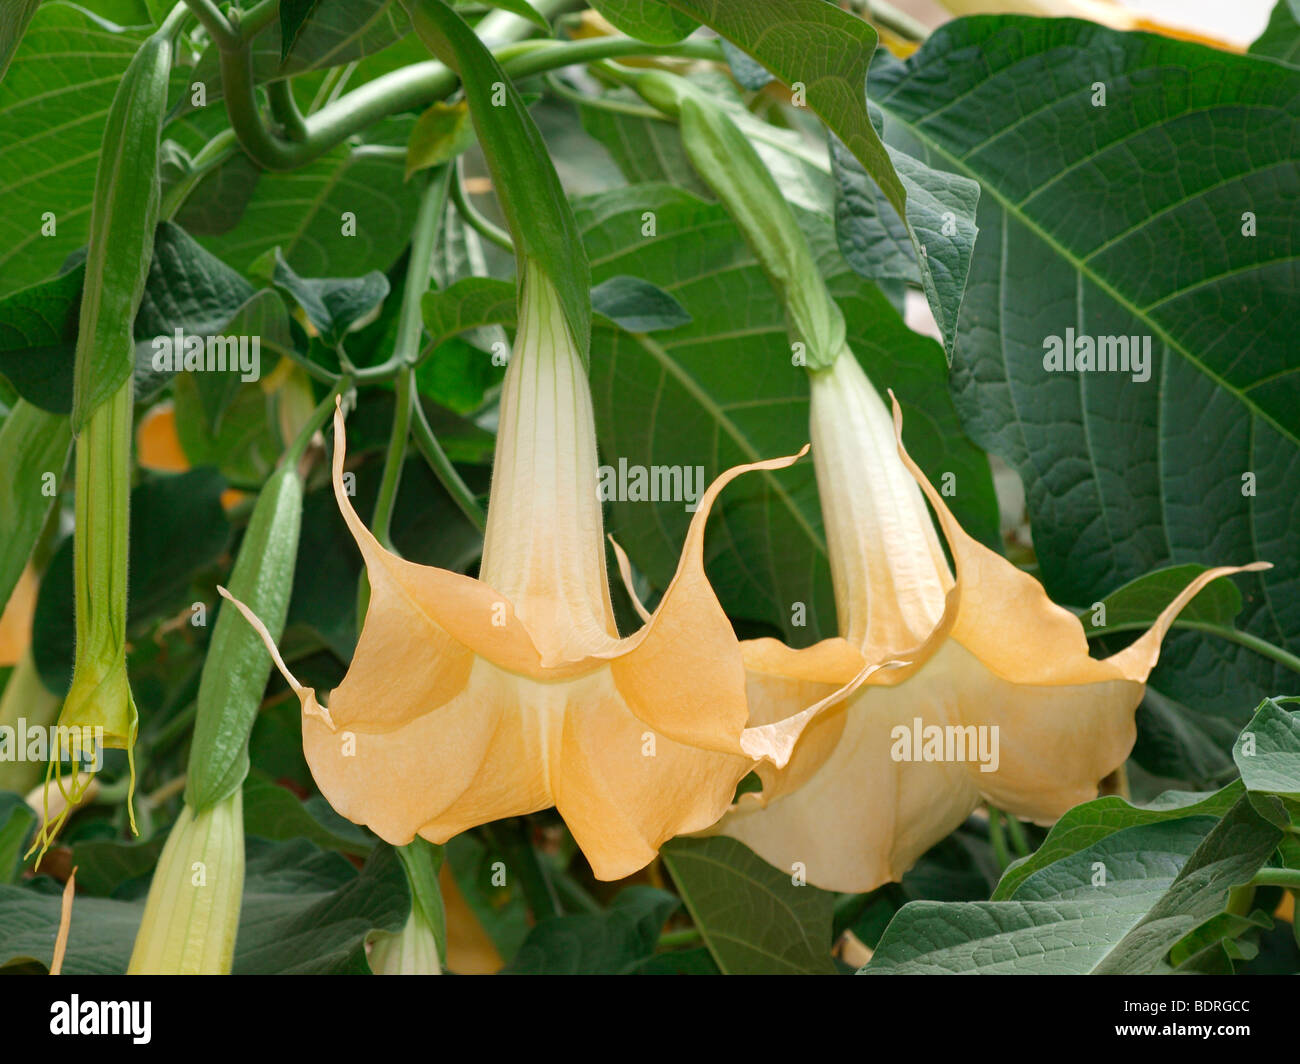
[(324, 410), (1232, 635), (898, 22), (410, 88), (249, 24), (592, 49), (383, 517), (211, 155), (1019, 840), (1277, 877), (513, 839), (431, 449), (212, 20), (998, 838), (686, 937), (602, 103), (472, 214), (284, 109)]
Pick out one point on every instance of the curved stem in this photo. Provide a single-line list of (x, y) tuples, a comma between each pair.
[(431, 449), (381, 524), (212, 20), (284, 109), (324, 409), (1277, 877), (472, 214), (409, 88), (211, 155), (1233, 635), (602, 103)]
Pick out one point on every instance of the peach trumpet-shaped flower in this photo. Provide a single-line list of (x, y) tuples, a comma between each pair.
[(469, 700), (1030, 722)]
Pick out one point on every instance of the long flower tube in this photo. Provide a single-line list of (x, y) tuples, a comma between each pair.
[(469, 700), (996, 697)]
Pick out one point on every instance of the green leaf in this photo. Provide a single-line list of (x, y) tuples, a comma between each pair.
[(305, 912), (1139, 602), (14, 17), (637, 305), (523, 176), (1088, 824), (1268, 752), (17, 820), (53, 104), (245, 444), (627, 302), (439, 135), (166, 512), (273, 812), (334, 305), (827, 50), (301, 211), (753, 918), (34, 447), (1161, 882), (309, 913), (38, 339), (104, 865), (1120, 475), (651, 21), (613, 942), (338, 32), (188, 288), (293, 14), (748, 73), (1281, 37), (522, 8)]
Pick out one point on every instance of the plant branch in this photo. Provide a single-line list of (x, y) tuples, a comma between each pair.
[(427, 444), (472, 214)]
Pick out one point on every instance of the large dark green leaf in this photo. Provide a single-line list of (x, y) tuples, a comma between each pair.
[(753, 918), (1117, 906), (305, 912), (303, 213), (53, 102), (612, 942), (338, 32), (34, 446), (14, 16), (1281, 37), (650, 20), (1126, 476)]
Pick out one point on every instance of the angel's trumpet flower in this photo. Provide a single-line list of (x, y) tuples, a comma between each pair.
[(989, 693), (999, 700), (471, 700)]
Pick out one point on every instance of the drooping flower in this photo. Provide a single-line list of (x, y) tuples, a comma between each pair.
[(469, 700), (999, 700)]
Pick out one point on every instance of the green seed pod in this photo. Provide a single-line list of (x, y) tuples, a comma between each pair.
[(238, 665)]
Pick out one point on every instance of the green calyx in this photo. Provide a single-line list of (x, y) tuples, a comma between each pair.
[(726, 161)]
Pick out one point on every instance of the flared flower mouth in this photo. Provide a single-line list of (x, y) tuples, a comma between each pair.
[(469, 700), (998, 699)]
